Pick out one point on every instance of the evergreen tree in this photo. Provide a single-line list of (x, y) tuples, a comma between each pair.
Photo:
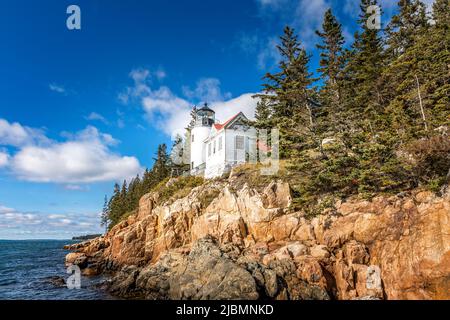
[(148, 181), (105, 220), (161, 167), (331, 62), (193, 116), (331, 66), (417, 83), (179, 157), (405, 26), (286, 94), (134, 193), (363, 91), (437, 49), (263, 114), (115, 206), (441, 14), (124, 204)]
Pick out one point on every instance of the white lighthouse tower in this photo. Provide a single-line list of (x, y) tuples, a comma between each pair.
[(204, 120)]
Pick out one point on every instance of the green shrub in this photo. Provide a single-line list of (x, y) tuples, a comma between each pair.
[(178, 188)]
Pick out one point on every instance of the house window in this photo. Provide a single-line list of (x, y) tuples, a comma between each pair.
[(239, 142), (192, 138), (214, 149), (209, 149), (220, 143)]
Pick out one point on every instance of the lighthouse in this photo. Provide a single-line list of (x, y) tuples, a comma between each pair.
[(204, 120)]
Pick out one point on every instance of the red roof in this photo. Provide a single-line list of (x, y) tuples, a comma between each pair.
[(219, 126)]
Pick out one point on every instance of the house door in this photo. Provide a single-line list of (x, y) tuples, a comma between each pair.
[(239, 149)]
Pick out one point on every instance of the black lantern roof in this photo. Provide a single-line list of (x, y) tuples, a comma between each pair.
[(205, 108)]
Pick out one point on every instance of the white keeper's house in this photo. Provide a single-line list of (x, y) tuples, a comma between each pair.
[(217, 147)]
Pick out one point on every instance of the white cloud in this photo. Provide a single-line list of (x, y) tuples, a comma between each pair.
[(9, 215), (429, 4), (272, 3), (84, 158), (248, 43), (171, 113), (16, 224), (4, 209), (304, 16), (160, 74), (166, 111), (268, 54), (75, 187), (206, 90), (61, 223), (16, 135), (120, 119), (351, 7), (142, 79), (57, 88), (226, 109), (56, 216), (94, 116), (308, 19), (4, 159)]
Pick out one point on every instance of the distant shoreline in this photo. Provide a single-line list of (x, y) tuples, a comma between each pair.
[(87, 237), (68, 239)]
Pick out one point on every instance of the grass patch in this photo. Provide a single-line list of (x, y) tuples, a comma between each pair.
[(207, 197), (251, 174), (128, 214), (178, 188)]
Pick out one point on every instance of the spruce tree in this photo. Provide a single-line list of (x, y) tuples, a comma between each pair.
[(417, 83), (115, 206), (105, 217), (441, 14), (161, 167), (124, 204), (286, 93), (331, 66), (134, 193), (263, 114), (405, 26), (331, 61)]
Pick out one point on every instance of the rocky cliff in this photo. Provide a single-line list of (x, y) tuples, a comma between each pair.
[(247, 244)]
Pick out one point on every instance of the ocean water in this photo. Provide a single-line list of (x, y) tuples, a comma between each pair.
[(27, 268)]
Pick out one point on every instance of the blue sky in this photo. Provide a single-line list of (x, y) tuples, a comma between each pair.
[(82, 109)]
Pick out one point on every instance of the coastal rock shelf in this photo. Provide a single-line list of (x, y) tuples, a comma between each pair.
[(247, 244)]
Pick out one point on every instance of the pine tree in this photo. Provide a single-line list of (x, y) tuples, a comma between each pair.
[(179, 157), (417, 83), (331, 66), (363, 98), (124, 204), (331, 62), (193, 116), (161, 167), (286, 94), (134, 193), (405, 26), (105, 217), (437, 47), (147, 181), (441, 14), (263, 114), (115, 206)]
